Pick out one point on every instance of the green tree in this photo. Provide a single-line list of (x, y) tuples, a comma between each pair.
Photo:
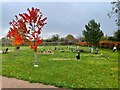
[(92, 32), (62, 39), (117, 35), (115, 11), (81, 38), (111, 38), (69, 37), (55, 37), (104, 38)]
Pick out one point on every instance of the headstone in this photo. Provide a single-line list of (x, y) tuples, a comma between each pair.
[(5, 51), (71, 49), (18, 47), (62, 50), (114, 49), (91, 49), (68, 47), (78, 55), (67, 51), (77, 47), (49, 51), (55, 48), (43, 50), (96, 51), (35, 65)]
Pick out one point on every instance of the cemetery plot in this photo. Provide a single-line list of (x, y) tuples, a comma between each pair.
[(61, 69)]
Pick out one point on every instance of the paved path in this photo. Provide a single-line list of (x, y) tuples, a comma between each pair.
[(15, 83)]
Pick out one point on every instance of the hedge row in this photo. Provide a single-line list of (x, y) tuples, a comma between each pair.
[(103, 44)]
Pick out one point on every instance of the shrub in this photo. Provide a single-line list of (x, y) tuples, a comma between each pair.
[(103, 44)]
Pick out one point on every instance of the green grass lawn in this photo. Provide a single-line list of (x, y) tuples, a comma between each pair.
[(61, 69)]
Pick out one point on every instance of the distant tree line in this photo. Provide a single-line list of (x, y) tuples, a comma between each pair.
[(56, 40), (92, 34)]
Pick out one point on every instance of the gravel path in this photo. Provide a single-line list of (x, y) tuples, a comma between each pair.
[(15, 83)]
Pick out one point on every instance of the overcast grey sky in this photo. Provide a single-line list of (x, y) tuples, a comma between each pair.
[(63, 17)]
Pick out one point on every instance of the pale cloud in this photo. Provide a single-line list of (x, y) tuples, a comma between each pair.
[(63, 18), (55, 1), (49, 34)]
